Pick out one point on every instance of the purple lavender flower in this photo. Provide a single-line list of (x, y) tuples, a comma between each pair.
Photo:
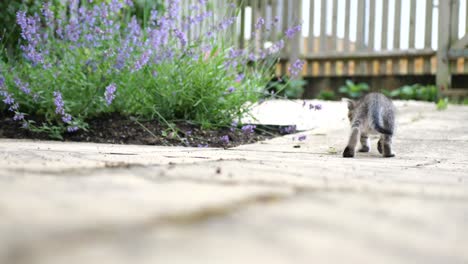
[(174, 9), (275, 48), (73, 31), (2, 82), (23, 23), (225, 139), (311, 106), (210, 34), (296, 67), (223, 25), (252, 57), (290, 32), (72, 129), (8, 99), (59, 30), (14, 107), (30, 32), (248, 129), (181, 36), (240, 77), (24, 87), (67, 118), (234, 54), (230, 90), (18, 116), (260, 23), (115, 6), (318, 107), (128, 3), (58, 101), (302, 137), (153, 17), (144, 59), (48, 15), (110, 93), (288, 129)]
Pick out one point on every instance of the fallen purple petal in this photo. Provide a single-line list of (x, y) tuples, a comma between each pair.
[(225, 139)]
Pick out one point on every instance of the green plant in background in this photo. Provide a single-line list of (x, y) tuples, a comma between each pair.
[(9, 29), (326, 95), (354, 90), (286, 87), (442, 104), (418, 92)]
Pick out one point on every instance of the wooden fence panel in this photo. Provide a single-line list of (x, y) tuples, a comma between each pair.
[(311, 37), (396, 36), (384, 44), (466, 33), (455, 6), (340, 52), (428, 35), (347, 37), (412, 35)]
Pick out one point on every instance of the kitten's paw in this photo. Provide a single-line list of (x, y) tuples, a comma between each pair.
[(379, 146), (391, 155), (348, 153), (364, 149)]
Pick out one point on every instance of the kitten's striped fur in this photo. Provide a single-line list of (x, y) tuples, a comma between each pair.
[(372, 114)]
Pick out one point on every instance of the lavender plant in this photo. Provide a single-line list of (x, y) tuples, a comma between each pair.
[(95, 59)]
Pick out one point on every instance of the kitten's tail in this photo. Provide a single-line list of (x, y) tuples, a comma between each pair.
[(377, 121)]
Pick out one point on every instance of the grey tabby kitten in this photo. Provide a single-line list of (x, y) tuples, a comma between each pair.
[(372, 114)]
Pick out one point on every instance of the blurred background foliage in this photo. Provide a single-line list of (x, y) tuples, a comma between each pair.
[(10, 31)]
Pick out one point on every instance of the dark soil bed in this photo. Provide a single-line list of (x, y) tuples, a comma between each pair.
[(116, 129)]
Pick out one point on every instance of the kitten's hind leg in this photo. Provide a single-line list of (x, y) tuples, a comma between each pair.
[(386, 145), (379, 146), (353, 140), (365, 143)]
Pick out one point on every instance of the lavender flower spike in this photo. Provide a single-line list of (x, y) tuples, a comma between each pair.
[(58, 101), (260, 23), (72, 129), (290, 32), (110, 93), (18, 116), (248, 129), (23, 86), (296, 67)]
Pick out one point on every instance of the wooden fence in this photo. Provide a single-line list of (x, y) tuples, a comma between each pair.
[(328, 54), (381, 40)]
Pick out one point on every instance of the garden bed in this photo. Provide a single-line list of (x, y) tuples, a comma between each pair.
[(116, 129)]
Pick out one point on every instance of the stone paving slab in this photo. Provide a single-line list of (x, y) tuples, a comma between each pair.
[(281, 201)]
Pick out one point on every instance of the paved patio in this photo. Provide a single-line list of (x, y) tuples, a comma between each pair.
[(280, 201)]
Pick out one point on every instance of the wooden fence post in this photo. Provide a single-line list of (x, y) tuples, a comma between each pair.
[(296, 17), (242, 24), (443, 75)]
